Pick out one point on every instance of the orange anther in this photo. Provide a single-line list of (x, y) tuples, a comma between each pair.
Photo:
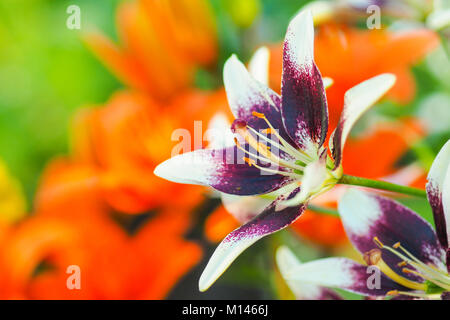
[(268, 131), (258, 115), (249, 161), (392, 293)]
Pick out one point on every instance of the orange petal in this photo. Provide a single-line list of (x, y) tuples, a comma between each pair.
[(219, 224)]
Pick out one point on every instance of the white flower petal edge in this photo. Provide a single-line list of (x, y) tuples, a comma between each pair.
[(201, 168), (438, 193), (329, 272), (219, 133), (269, 221), (243, 90), (286, 261), (259, 65), (300, 44), (357, 101)]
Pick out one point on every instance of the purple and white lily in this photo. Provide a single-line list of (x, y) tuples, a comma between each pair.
[(279, 143), (412, 257)]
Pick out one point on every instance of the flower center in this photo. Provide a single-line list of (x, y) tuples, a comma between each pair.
[(435, 282), (261, 143)]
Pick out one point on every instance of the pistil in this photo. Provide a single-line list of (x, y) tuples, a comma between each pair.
[(373, 257)]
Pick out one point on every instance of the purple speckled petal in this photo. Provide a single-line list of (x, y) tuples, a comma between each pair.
[(358, 100), (345, 274), (304, 104), (271, 220), (286, 261), (222, 169), (438, 191), (247, 95), (366, 215), (447, 260)]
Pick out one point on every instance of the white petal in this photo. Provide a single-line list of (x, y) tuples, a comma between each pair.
[(361, 97), (329, 272), (269, 221), (190, 168), (440, 166), (219, 133), (438, 20), (446, 202), (327, 82), (438, 189), (358, 211), (286, 262), (300, 38), (243, 91), (321, 11), (358, 100), (341, 273), (259, 65)]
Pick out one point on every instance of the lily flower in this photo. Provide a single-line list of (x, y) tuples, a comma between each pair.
[(286, 131), (286, 260), (412, 257)]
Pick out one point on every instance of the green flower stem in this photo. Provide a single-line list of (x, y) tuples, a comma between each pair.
[(323, 210), (383, 185)]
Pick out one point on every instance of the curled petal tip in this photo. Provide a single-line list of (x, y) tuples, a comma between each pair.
[(390, 79), (159, 170)]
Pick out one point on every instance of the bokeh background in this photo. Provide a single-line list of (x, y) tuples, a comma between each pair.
[(85, 115)]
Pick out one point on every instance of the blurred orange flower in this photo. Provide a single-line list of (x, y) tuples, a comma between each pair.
[(162, 44), (109, 172), (74, 227)]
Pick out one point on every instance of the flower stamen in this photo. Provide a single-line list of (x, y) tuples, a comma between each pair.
[(238, 145), (426, 272), (298, 153), (373, 257), (252, 162)]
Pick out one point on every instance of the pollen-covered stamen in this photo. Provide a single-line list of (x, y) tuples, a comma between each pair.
[(240, 127), (280, 147), (372, 257), (412, 294), (253, 163), (424, 271), (402, 264), (249, 161), (285, 173), (426, 277), (433, 270), (300, 154), (268, 131)]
